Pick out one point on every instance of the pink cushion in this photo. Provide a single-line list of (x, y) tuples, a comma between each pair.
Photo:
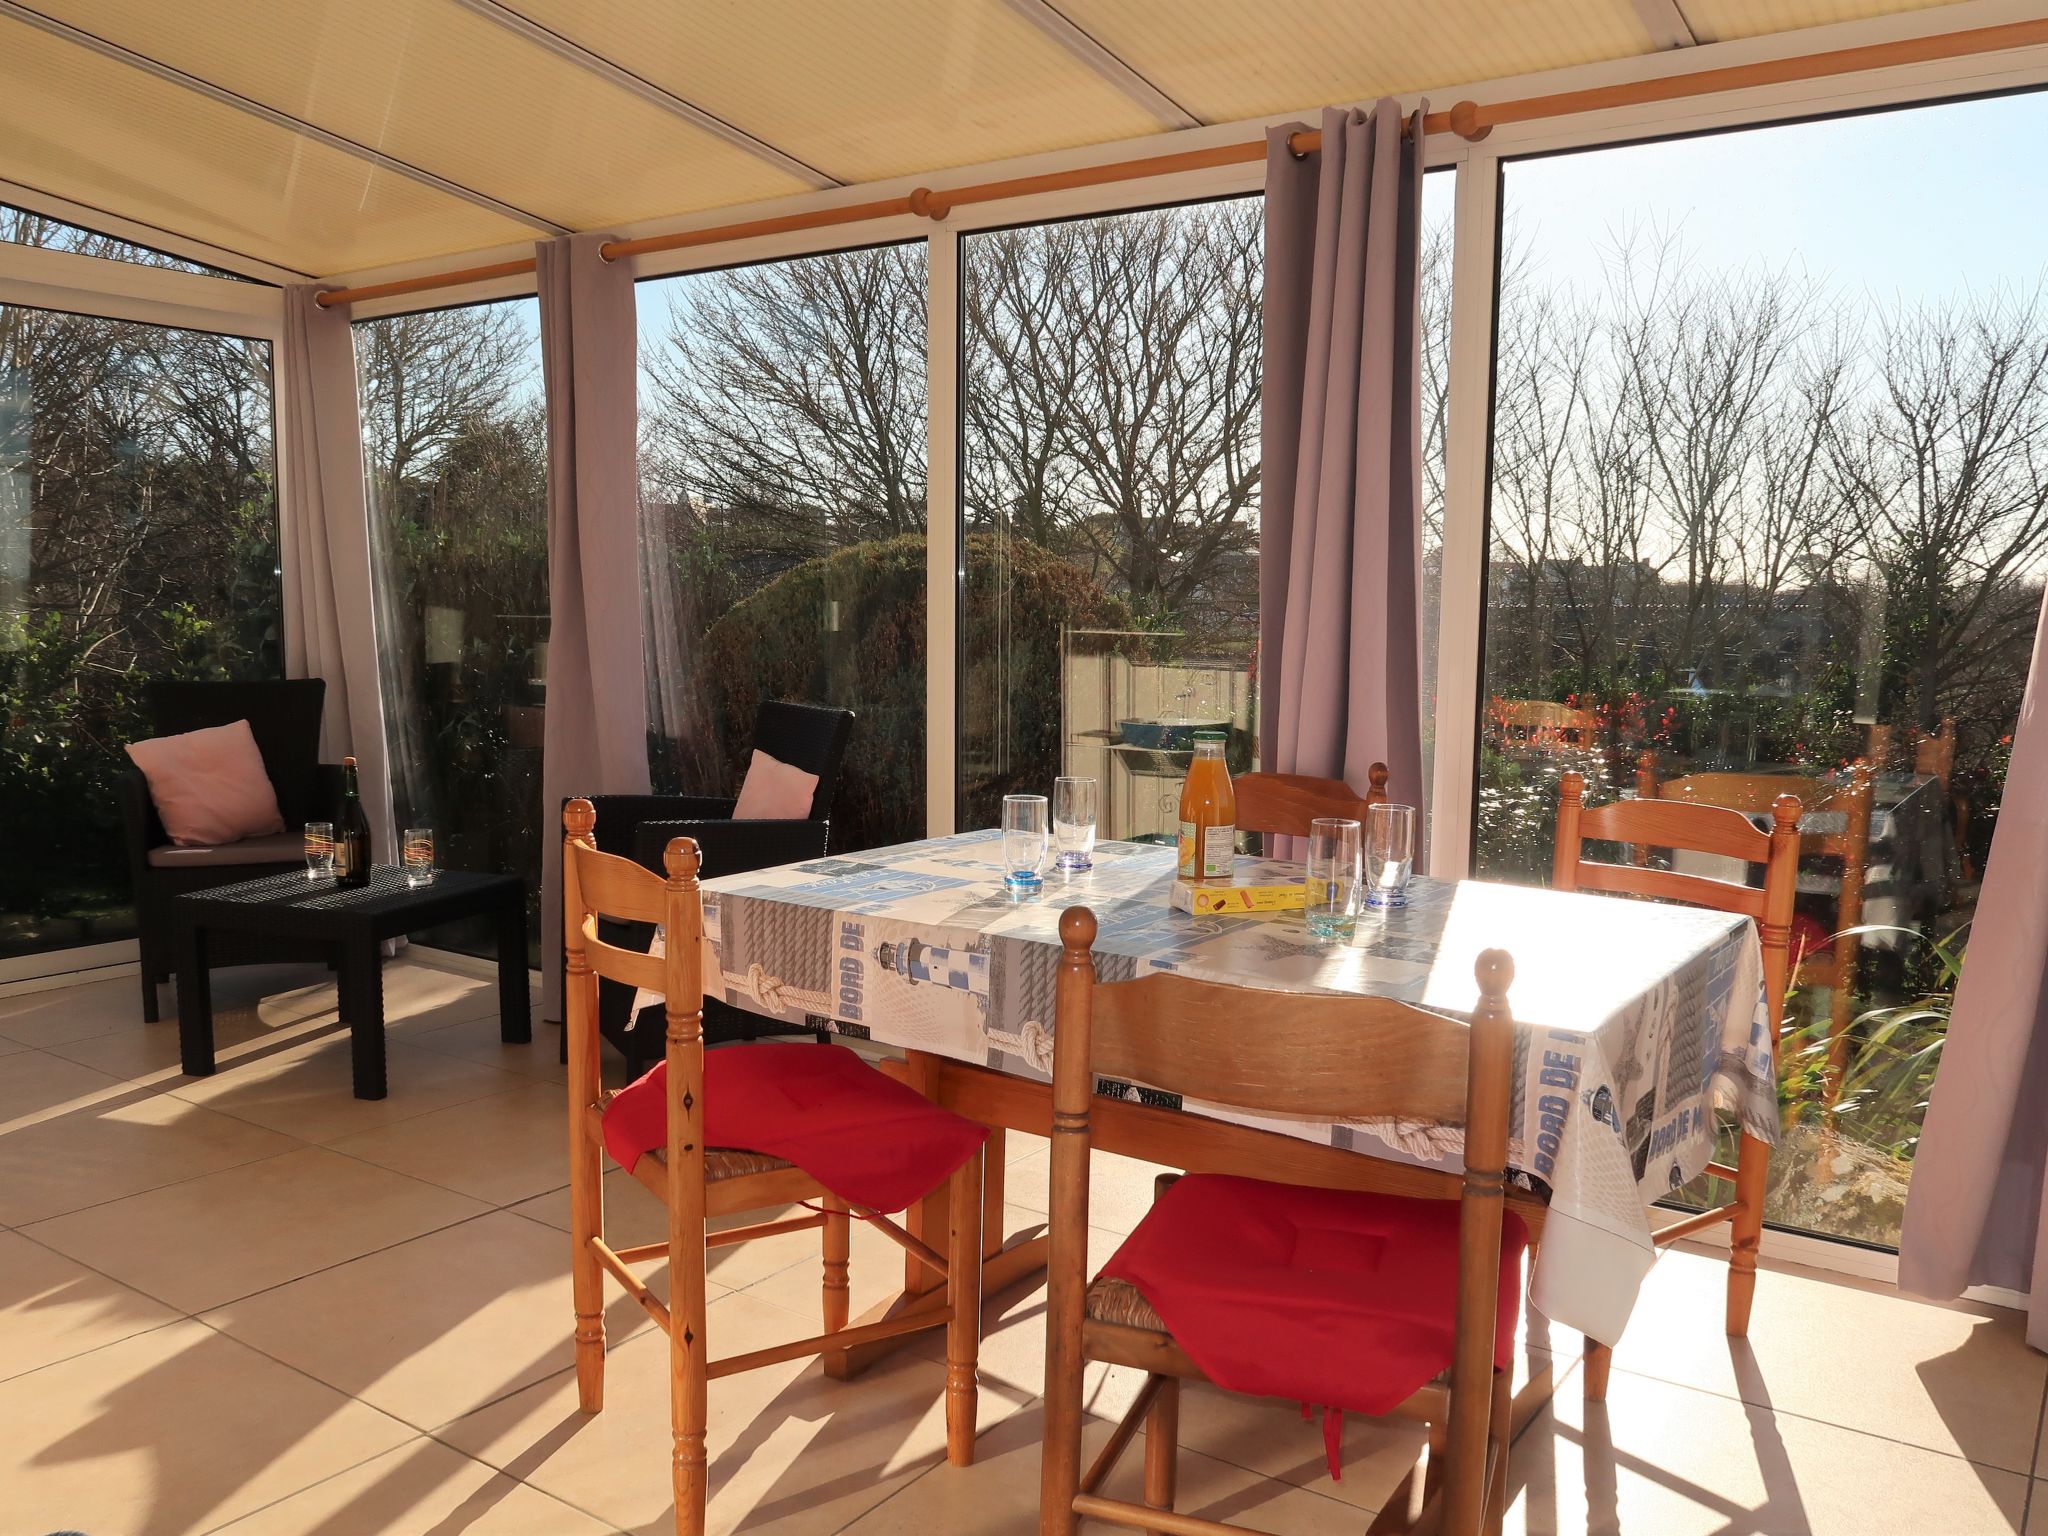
[(774, 791), (209, 786)]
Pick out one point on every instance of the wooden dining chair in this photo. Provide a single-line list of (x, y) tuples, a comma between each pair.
[(697, 1183), (1283, 804), (1699, 828), (1275, 1053), (1828, 959)]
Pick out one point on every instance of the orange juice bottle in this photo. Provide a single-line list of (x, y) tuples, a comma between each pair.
[(1208, 813)]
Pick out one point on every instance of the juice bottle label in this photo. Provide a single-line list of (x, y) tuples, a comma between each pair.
[(1207, 853)]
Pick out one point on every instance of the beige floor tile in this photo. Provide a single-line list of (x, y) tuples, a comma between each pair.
[(149, 1053), (120, 1146), (36, 1086), (308, 1091), (210, 1240), (174, 1431), (1119, 1188), (71, 1013), (633, 1216), (790, 1451), (501, 1149), (999, 1494), (420, 1489), (1954, 1379), (478, 1040), (1676, 1461), (438, 1326), (9, 1047), (2037, 1509), (52, 1308)]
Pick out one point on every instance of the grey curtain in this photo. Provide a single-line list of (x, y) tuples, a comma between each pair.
[(324, 544), (1974, 1211), (1340, 549), (595, 737)]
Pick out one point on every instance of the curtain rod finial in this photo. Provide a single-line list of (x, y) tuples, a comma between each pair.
[(928, 204), (1465, 122)]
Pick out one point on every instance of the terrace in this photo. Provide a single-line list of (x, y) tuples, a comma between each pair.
[(566, 389)]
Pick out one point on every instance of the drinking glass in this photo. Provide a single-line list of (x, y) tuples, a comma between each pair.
[(1024, 841), (319, 850), (1331, 905), (419, 855), (1389, 854), (1073, 822)]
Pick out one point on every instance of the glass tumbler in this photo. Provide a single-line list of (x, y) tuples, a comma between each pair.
[(1073, 822), (418, 851), (1389, 854), (1331, 905), (319, 850), (1024, 841)]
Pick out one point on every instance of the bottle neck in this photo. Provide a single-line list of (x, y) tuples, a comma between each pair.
[(348, 783)]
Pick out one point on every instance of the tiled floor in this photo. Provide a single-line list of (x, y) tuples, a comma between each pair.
[(254, 1304)]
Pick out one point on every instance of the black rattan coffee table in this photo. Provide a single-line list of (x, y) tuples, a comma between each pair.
[(354, 924)]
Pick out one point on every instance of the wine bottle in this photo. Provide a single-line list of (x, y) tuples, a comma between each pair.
[(351, 832)]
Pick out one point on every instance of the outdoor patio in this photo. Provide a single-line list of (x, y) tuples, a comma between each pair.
[(252, 1303)]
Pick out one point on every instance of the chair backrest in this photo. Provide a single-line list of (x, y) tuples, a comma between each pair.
[(1689, 827), (1285, 803), (1757, 794), (283, 715), (597, 885), (1285, 1053), (812, 737)]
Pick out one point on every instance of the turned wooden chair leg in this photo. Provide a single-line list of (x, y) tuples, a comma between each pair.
[(1595, 1364), (838, 1235), (1162, 1446), (963, 1298), (586, 1221), (1752, 1169)]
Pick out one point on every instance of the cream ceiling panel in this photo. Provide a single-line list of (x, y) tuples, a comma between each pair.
[(1715, 21), (862, 89), (80, 126), (439, 87), (1228, 59)]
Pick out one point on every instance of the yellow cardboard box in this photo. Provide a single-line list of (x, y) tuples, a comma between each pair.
[(1206, 899)]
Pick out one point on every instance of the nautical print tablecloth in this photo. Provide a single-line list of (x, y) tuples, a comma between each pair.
[(1638, 1018)]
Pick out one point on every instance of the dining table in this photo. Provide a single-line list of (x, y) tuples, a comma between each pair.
[(1636, 1021)]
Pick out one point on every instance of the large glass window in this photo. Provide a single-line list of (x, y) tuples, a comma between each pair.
[(1110, 497), (21, 226), (1769, 513), (455, 454), (782, 461), (138, 539)]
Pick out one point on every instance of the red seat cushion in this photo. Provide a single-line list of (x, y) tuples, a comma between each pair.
[(1810, 940), (1334, 1297), (869, 1139)]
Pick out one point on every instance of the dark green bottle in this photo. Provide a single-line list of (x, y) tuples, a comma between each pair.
[(351, 832)]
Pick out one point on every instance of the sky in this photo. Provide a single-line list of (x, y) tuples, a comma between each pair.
[(1916, 204)]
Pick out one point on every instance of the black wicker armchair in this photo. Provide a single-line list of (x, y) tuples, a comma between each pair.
[(284, 717), (812, 737)]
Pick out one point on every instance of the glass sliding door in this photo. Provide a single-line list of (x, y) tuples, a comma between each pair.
[(1769, 514), (782, 468), (455, 454), (1110, 478), (138, 540)]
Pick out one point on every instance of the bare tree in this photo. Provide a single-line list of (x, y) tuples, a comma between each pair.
[(788, 403)]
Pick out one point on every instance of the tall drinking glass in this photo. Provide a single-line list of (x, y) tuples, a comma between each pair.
[(1331, 906), (418, 852), (319, 850), (1389, 854), (1073, 822), (1024, 841)]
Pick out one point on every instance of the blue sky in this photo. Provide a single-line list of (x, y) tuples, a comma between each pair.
[(1912, 204)]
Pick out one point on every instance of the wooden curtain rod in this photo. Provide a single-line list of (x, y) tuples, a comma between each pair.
[(1468, 120)]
